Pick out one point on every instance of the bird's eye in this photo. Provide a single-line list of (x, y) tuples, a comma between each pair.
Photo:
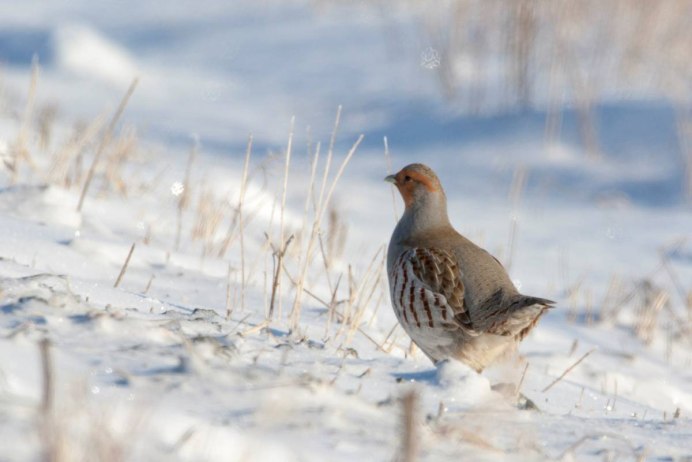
[(407, 178)]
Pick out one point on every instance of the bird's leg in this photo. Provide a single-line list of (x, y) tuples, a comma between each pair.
[(509, 391)]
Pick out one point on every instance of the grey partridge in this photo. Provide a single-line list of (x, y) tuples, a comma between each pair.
[(454, 299)]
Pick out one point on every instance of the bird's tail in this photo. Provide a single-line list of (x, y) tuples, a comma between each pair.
[(531, 309), (524, 301)]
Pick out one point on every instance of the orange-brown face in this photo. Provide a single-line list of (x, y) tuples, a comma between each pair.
[(412, 177)]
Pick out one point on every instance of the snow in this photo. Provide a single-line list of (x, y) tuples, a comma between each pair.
[(179, 361), (85, 53)]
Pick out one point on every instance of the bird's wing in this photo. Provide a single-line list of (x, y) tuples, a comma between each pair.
[(509, 315), (435, 284)]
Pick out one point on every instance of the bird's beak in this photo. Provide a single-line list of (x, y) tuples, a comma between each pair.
[(390, 179)]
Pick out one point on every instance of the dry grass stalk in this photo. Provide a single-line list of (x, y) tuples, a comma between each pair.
[(19, 149), (241, 222), (525, 24), (123, 149), (309, 198), (105, 140), (684, 131), (54, 446), (279, 256), (573, 297), (229, 307), (521, 380), (239, 218), (337, 233), (516, 190), (648, 315), (382, 299), (184, 197), (568, 370), (325, 261), (513, 226), (124, 267), (64, 169), (388, 161), (322, 204), (46, 119), (149, 283), (553, 122), (282, 226), (673, 276), (410, 440), (254, 329), (361, 297), (613, 300), (48, 394), (332, 306), (209, 215), (331, 309), (588, 308), (387, 337)]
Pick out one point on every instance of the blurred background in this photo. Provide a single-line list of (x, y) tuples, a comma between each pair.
[(585, 81)]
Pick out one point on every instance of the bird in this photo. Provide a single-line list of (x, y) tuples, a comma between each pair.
[(453, 298)]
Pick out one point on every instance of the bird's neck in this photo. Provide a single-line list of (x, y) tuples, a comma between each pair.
[(423, 216)]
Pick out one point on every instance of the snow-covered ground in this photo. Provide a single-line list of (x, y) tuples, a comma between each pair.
[(180, 361)]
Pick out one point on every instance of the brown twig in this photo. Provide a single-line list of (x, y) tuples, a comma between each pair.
[(184, 198), (124, 268), (229, 307), (409, 438), (47, 373), (521, 380), (20, 148), (279, 264), (323, 204), (388, 160), (568, 370), (104, 142)]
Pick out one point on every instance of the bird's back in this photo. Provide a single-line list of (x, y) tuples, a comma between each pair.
[(481, 274)]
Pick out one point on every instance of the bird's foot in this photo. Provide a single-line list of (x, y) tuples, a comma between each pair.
[(509, 391)]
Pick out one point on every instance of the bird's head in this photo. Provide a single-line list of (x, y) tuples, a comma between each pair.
[(417, 184)]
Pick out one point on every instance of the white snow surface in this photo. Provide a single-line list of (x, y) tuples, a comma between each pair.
[(180, 361)]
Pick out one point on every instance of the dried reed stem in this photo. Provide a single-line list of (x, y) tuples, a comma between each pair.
[(332, 306), (48, 377), (279, 253), (513, 225), (322, 205), (104, 142), (241, 221), (568, 370), (388, 161), (184, 199), (60, 164), (409, 437), (521, 380), (229, 307), (277, 282), (151, 280), (20, 150), (372, 271), (124, 268), (309, 197)]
